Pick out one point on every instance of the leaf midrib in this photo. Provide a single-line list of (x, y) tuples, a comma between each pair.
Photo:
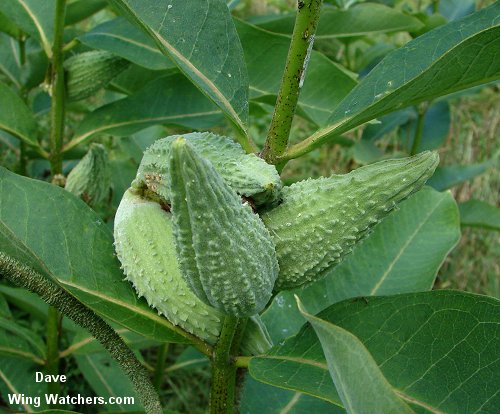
[(213, 88), (329, 130)]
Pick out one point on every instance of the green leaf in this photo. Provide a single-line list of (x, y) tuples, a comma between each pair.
[(386, 124), (134, 78), (261, 398), (360, 20), (30, 302), (128, 41), (402, 255), (9, 59), (81, 9), (443, 341), (40, 222), (170, 100), (7, 26), (325, 85), (15, 116), (452, 175), (107, 379), (4, 308), (20, 343), (200, 37), (437, 122), (366, 152), (25, 300), (34, 17), (84, 343), (464, 55), (455, 9), (477, 213), (17, 377), (361, 385), (188, 359), (10, 328)]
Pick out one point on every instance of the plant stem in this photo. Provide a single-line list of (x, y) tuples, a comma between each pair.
[(25, 277), (57, 91), (242, 361), (435, 6), (224, 370), (417, 139), (52, 366), (160, 365), (296, 65)]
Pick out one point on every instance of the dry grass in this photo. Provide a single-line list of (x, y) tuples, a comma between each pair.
[(473, 265)]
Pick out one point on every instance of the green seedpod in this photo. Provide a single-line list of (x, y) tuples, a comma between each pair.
[(225, 253), (91, 178), (144, 244), (249, 175), (320, 220), (88, 72)]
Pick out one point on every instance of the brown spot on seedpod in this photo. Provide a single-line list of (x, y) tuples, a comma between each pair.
[(250, 203)]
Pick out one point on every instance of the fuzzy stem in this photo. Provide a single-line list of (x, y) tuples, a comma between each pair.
[(57, 91), (160, 365), (55, 296), (417, 139), (224, 370), (298, 57)]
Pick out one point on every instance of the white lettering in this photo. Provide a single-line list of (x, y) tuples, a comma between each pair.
[(39, 377)]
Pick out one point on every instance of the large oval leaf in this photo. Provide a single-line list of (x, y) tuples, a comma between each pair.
[(35, 17), (170, 100), (199, 36), (402, 255), (15, 116), (361, 385), (360, 20), (439, 350), (464, 54), (55, 232)]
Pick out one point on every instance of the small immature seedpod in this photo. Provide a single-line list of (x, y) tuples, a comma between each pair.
[(225, 253), (88, 72), (91, 178)]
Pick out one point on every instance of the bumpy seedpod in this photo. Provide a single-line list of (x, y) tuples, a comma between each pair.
[(225, 253), (144, 244), (320, 221), (91, 178), (88, 72), (247, 174)]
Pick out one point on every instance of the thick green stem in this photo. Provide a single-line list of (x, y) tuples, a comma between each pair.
[(55, 296), (57, 90), (296, 65), (224, 370), (52, 365), (160, 365), (417, 139)]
